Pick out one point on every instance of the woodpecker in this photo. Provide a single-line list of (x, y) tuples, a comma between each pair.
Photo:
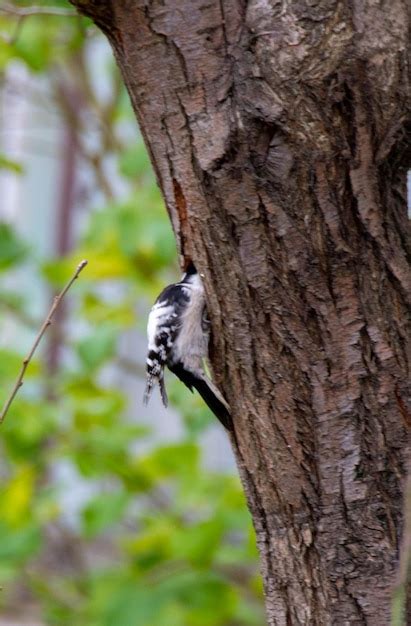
[(178, 336)]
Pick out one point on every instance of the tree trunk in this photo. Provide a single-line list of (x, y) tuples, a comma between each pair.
[(278, 134)]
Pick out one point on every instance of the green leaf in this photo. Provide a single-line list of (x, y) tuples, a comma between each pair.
[(134, 162), (198, 542), (9, 164), (152, 545), (98, 310), (12, 249), (197, 593), (103, 511), (134, 606), (16, 545), (27, 427), (172, 460), (97, 347), (34, 44)]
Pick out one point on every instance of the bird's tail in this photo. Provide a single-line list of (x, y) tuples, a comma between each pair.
[(152, 379), (207, 390), (214, 400)]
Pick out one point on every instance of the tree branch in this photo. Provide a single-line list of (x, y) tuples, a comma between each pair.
[(46, 324), (11, 9)]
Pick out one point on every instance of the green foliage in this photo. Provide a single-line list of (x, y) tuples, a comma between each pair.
[(158, 540), (12, 250), (39, 41), (10, 164)]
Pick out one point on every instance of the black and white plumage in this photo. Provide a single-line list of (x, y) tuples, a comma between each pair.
[(178, 336)]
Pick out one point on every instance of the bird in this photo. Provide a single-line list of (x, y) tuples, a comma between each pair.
[(178, 332)]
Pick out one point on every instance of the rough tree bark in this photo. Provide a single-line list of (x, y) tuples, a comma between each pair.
[(278, 134)]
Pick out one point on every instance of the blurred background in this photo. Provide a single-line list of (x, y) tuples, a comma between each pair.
[(111, 514)]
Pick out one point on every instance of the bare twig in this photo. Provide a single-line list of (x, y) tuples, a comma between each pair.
[(11, 9), (42, 330)]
